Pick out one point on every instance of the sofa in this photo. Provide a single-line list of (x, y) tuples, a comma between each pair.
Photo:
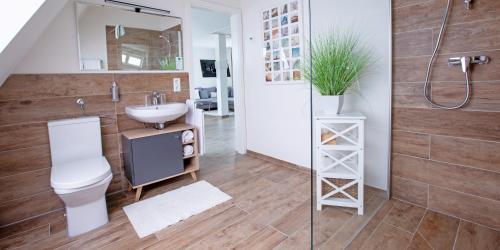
[(207, 98)]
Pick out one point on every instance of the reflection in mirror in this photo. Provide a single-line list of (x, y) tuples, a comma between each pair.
[(116, 39)]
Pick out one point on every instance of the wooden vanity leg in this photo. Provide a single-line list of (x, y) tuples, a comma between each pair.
[(193, 175), (138, 193)]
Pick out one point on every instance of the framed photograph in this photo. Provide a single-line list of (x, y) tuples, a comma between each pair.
[(283, 42)]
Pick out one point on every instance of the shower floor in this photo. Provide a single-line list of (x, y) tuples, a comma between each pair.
[(401, 225)]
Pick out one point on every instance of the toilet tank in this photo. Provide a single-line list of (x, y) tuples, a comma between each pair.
[(74, 139)]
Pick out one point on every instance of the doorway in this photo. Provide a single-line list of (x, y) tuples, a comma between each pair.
[(212, 79)]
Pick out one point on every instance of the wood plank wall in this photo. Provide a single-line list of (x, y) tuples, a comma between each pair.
[(27, 102), (448, 161)]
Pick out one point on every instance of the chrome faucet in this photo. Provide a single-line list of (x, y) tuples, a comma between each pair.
[(155, 98)]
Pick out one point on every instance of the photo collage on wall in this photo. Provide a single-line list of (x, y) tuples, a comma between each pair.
[(282, 50)]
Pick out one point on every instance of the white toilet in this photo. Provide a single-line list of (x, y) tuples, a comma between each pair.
[(80, 174)]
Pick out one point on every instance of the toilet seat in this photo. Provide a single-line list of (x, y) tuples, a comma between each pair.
[(79, 174)]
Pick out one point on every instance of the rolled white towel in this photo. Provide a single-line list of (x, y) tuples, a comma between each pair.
[(188, 150), (187, 136)]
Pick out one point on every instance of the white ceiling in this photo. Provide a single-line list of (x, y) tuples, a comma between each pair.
[(205, 24)]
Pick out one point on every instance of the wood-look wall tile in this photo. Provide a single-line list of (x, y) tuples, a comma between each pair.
[(116, 184), (478, 125), (485, 95), (24, 160), (126, 123), (110, 144), (408, 190), (423, 15), (115, 162), (38, 86), (31, 223), (130, 99), (409, 95), (473, 236), (413, 69), (402, 3), (29, 206), (141, 82), (23, 135), (476, 153), (464, 37), (413, 43), (415, 14), (410, 69), (481, 10), (409, 143), (469, 207), (464, 179), (25, 184), (18, 111)]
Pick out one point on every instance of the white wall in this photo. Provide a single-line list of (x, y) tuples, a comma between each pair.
[(371, 21), (278, 116)]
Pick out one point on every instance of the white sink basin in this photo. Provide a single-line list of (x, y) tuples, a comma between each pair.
[(157, 114)]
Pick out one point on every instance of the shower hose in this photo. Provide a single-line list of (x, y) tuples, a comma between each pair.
[(429, 66)]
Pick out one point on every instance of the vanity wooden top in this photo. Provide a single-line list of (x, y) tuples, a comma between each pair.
[(145, 132)]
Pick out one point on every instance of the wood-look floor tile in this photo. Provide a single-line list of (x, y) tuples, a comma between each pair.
[(228, 237), (438, 230), (472, 236), (387, 237), (267, 238), (295, 219), (326, 224), (185, 238), (405, 216), (343, 237), (366, 231), (419, 243)]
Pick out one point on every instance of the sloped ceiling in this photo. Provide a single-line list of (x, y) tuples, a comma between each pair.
[(19, 46)]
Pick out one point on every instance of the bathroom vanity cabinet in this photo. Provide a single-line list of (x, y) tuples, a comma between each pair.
[(152, 155)]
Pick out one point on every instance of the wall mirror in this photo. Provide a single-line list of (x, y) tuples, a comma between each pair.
[(115, 38)]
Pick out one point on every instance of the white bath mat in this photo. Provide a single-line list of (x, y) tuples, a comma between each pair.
[(156, 213)]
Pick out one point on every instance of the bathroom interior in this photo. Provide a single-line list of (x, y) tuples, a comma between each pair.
[(354, 124)]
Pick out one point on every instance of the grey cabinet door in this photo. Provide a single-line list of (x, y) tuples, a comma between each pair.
[(157, 157)]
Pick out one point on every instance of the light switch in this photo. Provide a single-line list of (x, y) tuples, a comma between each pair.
[(177, 85)]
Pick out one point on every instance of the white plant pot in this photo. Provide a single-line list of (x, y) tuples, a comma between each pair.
[(331, 104)]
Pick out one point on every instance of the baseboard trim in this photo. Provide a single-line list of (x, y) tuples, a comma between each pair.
[(278, 162)]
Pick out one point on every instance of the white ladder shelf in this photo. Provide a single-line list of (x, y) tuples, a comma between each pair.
[(339, 151)]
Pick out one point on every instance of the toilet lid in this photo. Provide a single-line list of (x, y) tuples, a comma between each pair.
[(80, 173)]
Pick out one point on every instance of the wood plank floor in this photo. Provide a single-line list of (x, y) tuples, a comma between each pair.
[(270, 209)]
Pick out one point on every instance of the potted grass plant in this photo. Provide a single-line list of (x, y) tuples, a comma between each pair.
[(337, 61)]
